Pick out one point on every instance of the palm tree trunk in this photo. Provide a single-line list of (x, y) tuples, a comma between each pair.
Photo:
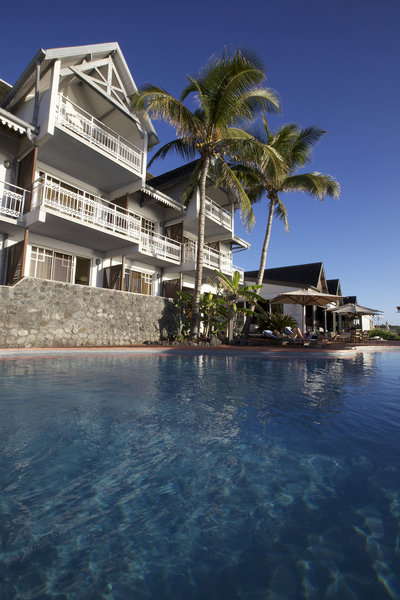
[(195, 324), (263, 258)]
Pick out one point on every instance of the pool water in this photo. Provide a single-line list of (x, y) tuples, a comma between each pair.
[(189, 476)]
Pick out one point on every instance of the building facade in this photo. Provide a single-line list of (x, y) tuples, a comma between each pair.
[(76, 202)]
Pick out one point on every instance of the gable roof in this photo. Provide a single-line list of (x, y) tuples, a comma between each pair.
[(333, 286), (170, 178), (350, 300), (76, 58), (303, 275)]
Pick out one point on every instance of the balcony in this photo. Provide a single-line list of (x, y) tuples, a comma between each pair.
[(92, 211), (160, 246), (212, 259), (219, 215), (95, 133), (12, 200)]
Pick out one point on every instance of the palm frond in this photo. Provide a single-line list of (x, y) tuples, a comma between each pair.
[(194, 183), (159, 104), (180, 147), (316, 184), (228, 178), (280, 212), (303, 143)]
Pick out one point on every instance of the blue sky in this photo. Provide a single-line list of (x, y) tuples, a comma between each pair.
[(335, 64)]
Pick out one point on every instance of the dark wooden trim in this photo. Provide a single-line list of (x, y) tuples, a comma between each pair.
[(24, 249), (26, 175)]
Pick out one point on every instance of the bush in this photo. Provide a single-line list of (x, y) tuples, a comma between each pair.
[(383, 333), (276, 322)]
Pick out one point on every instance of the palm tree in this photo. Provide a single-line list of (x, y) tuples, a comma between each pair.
[(266, 177), (226, 93)]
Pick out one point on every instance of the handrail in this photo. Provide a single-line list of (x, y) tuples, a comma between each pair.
[(75, 118), (88, 208), (160, 245), (221, 261), (218, 213), (12, 202)]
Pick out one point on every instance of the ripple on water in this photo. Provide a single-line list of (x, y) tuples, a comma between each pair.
[(199, 477)]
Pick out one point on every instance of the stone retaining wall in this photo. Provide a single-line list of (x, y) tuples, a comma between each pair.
[(41, 313)]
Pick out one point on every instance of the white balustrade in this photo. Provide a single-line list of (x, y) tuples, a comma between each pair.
[(91, 209), (215, 212), (12, 200), (212, 259), (161, 246), (74, 118)]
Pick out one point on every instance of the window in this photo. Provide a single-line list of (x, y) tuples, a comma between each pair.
[(47, 264), (140, 283), (148, 227)]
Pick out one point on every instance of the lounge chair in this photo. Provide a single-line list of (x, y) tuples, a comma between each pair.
[(269, 334), (302, 341)]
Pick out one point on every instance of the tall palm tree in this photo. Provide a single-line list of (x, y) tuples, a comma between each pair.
[(226, 93), (265, 177)]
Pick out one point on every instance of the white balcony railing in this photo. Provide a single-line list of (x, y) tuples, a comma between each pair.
[(96, 133), (90, 209), (12, 200), (218, 214), (161, 246), (212, 259)]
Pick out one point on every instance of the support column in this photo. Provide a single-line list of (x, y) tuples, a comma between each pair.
[(24, 250), (122, 273)]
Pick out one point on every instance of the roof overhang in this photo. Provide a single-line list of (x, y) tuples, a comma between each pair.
[(157, 196), (239, 243), (13, 122)]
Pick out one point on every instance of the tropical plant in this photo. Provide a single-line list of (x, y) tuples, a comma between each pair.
[(231, 292), (183, 306), (226, 93), (275, 321), (211, 312), (267, 177)]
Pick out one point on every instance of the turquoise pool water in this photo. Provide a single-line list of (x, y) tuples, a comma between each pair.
[(200, 476)]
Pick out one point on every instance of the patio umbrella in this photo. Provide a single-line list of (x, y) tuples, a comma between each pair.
[(305, 298), (354, 310)]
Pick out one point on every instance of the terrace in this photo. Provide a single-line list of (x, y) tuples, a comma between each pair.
[(212, 259), (218, 215), (95, 133), (95, 212)]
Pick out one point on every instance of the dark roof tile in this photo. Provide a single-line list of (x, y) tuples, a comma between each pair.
[(303, 275)]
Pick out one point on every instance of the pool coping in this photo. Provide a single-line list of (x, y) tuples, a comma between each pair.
[(333, 348)]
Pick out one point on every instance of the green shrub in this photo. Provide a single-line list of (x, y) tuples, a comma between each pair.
[(275, 321), (383, 333)]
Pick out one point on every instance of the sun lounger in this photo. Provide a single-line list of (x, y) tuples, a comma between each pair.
[(270, 335)]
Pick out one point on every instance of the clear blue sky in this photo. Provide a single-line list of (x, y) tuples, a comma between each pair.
[(335, 64)]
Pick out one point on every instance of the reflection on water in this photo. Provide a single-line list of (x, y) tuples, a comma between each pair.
[(200, 476)]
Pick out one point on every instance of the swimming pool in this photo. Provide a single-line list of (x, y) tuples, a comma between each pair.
[(174, 475)]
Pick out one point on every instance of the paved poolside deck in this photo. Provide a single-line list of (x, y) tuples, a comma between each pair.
[(264, 348)]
